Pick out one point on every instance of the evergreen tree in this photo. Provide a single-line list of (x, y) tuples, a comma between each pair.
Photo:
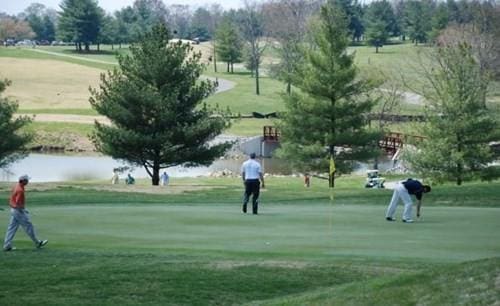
[(49, 29), (80, 22), (459, 124), (14, 140), (109, 33), (439, 21), (354, 13), (229, 44), (418, 20), (380, 21), (325, 122), (154, 102)]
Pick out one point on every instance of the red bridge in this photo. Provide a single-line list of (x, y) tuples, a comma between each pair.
[(392, 142)]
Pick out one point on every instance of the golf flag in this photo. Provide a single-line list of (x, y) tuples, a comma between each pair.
[(332, 166), (331, 176)]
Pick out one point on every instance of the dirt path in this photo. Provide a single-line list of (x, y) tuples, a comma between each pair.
[(70, 118)]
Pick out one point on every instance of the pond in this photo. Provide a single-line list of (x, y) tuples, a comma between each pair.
[(57, 168)]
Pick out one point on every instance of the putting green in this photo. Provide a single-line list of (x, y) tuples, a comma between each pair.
[(287, 231)]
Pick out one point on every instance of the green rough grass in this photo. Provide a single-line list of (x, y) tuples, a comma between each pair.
[(471, 283), (157, 247)]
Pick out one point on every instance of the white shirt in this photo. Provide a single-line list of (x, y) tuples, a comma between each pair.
[(252, 170)]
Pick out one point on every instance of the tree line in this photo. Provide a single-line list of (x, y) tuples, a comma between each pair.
[(375, 22)]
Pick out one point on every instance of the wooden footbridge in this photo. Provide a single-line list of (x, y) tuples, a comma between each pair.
[(391, 142)]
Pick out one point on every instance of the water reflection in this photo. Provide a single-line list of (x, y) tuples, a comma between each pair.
[(56, 168)]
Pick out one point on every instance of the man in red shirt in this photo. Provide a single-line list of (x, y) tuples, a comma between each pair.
[(19, 216)]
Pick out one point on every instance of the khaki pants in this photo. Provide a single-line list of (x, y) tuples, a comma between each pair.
[(19, 216), (400, 193)]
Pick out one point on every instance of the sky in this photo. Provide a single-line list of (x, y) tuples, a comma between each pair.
[(13, 7)]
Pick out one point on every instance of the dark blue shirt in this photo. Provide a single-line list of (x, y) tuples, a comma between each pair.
[(414, 187)]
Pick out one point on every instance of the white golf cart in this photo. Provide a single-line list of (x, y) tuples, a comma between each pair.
[(374, 180)]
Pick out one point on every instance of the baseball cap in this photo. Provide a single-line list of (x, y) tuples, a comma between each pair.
[(24, 177)]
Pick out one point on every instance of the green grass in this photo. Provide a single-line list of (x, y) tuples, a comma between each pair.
[(60, 111), (30, 54), (61, 127), (248, 127), (471, 283), (242, 98), (197, 248)]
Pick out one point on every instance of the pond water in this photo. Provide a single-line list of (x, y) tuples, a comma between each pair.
[(57, 168)]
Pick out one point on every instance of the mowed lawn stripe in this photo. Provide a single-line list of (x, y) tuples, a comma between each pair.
[(281, 231)]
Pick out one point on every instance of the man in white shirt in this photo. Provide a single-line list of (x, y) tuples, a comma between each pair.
[(251, 172)]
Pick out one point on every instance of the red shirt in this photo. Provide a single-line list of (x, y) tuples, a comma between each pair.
[(17, 196)]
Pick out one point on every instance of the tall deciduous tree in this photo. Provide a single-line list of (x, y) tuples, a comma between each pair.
[(80, 22), (252, 29), (14, 140), (459, 124), (326, 121), (155, 104), (12, 28), (287, 23)]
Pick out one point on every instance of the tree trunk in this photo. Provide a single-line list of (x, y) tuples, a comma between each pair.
[(156, 174), (232, 67), (376, 49), (289, 88), (228, 67), (98, 47), (257, 85), (460, 166), (87, 47), (215, 60)]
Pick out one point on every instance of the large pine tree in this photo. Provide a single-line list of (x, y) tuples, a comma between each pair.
[(155, 104), (80, 22), (326, 120)]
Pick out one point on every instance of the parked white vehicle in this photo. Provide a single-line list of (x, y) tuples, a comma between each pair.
[(26, 42)]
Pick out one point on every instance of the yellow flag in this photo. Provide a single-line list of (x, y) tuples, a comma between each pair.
[(332, 165)]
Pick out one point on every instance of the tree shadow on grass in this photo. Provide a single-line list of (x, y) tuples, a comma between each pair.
[(91, 52)]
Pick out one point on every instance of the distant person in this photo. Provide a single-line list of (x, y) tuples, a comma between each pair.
[(307, 180), (251, 174), (114, 178), (130, 180), (20, 216), (164, 179), (402, 191)]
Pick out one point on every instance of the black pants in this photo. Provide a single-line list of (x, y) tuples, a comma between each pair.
[(252, 187)]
